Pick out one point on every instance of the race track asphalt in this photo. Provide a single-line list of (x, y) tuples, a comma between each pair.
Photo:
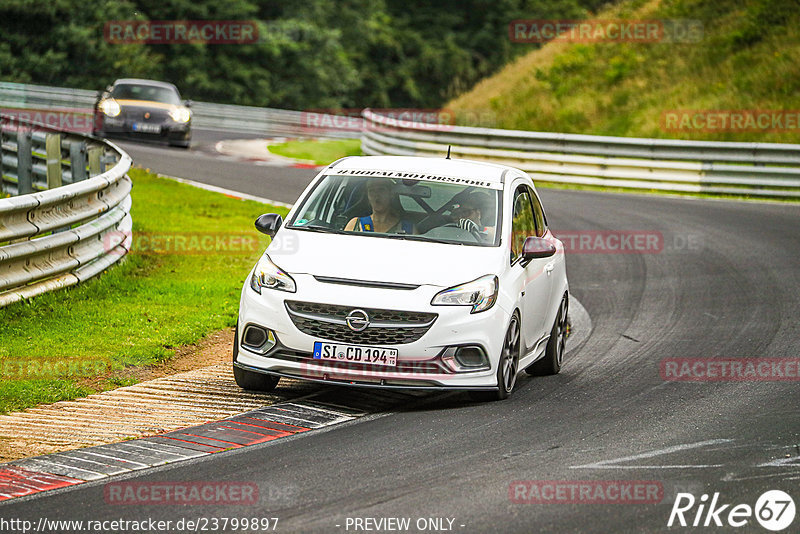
[(725, 283)]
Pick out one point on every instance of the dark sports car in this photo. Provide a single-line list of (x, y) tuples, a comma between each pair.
[(143, 109)]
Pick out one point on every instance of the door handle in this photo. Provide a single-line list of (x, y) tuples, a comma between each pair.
[(549, 268)]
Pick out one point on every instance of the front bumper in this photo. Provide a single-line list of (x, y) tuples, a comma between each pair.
[(419, 363), (168, 130)]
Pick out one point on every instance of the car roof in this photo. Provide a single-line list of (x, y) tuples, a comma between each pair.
[(462, 168), (137, 81)]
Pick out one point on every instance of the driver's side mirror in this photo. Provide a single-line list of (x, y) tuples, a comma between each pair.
[(537, 247), (188, 103), (269, 224)]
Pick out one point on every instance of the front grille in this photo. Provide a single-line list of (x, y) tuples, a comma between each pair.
[(137, 114), (387, 327)]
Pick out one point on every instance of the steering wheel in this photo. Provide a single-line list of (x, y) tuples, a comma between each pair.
[(469, 226)]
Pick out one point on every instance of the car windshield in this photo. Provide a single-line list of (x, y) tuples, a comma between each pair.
[(435, 208), (151, 93)]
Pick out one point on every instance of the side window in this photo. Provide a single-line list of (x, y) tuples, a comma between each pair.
[(538, 214), (523, 222)]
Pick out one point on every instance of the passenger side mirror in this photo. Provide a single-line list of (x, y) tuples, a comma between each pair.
[(188, 103), (537, 247), (269, 224)]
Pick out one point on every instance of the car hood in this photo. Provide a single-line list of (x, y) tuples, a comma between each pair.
[(145, 104), (380, 259)]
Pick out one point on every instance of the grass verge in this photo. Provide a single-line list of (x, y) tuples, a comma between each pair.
[(746, 58), (320, 152), (192, 250)]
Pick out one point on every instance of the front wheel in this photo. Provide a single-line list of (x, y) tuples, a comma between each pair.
[(550, 364), (507, 367)]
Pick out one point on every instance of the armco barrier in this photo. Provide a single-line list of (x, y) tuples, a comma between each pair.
[(761, 169), (70, 216), (267, 121), (757, 169)]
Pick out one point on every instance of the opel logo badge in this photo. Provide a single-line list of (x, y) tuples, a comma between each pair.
[(357, 320)]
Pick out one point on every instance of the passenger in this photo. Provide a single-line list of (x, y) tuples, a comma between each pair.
[(387, 214)]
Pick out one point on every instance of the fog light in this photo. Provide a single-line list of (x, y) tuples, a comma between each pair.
[(470, 356), (466, 358), (258, 339)]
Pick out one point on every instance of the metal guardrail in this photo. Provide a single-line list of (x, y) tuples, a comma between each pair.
[(70, 218), (205, 115), (759, 169)]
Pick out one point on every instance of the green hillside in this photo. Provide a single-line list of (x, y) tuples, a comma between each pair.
[(747, 59)]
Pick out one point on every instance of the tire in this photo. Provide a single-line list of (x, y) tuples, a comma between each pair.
[(550, 364), (507, 367), (248, 379)]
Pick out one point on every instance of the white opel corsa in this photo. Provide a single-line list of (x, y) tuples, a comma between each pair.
[(406, 272)]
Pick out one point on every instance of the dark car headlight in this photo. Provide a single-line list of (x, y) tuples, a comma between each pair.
[(110, 107), (180, 114)]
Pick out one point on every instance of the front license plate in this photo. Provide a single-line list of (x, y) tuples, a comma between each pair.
[(340, 352), (146, 128)]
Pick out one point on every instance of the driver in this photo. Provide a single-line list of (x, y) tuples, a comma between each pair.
[(469, 212), (387, 214)]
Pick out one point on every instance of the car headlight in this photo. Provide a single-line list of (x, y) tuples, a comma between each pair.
[(110, 107), (270, 276), (180, 114), (481, 294)]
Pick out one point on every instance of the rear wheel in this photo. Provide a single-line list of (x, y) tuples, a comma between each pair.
[(550, 364), (248, 379), (507, 367)]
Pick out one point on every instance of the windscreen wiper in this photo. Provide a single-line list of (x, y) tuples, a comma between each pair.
[(319, 228), (411, 237)]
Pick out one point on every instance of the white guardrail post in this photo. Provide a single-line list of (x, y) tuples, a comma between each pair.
[(757, 169), (66, 220)]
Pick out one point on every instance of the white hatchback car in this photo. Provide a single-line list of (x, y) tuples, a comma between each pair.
[(406, 272)]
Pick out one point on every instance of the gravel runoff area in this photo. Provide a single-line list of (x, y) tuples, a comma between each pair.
[(178, 399)]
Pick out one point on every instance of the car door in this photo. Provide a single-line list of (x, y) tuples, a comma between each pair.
[(554, 268), (529, 277)]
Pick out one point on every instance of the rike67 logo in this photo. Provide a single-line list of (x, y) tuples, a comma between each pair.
[(774, 510)]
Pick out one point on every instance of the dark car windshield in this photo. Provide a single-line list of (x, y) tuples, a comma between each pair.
[(151, 93), (454, 212)]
